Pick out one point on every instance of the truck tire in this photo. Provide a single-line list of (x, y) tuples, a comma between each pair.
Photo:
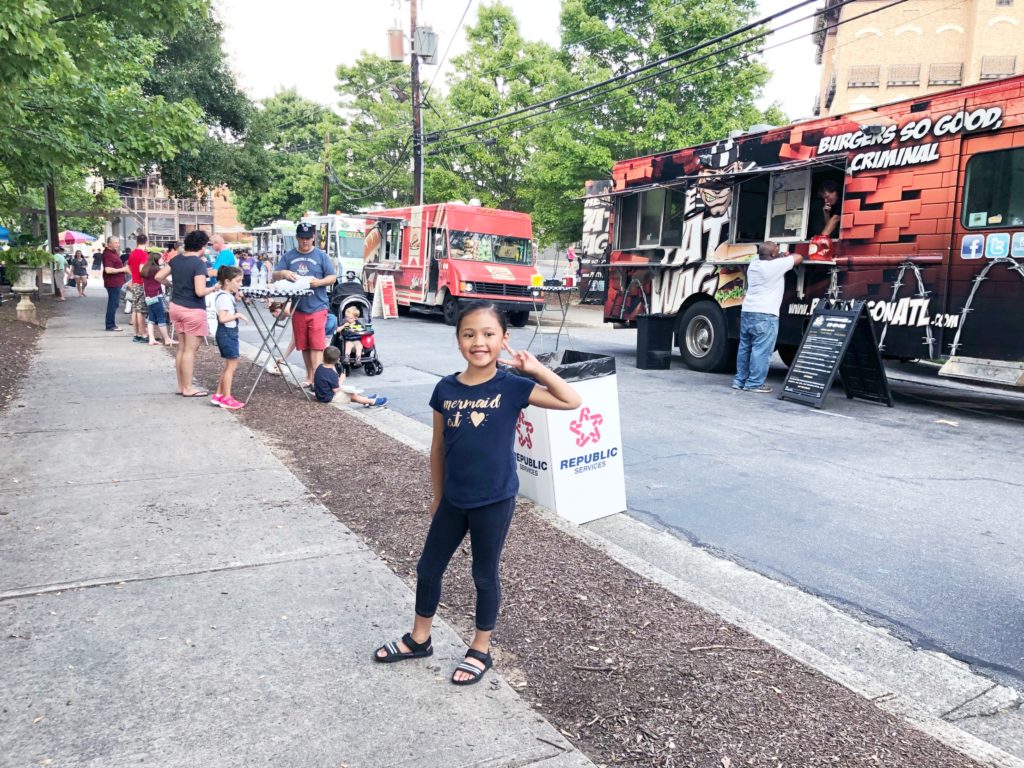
[(450, 310), (702, 338), (788, 353), (518, 319)]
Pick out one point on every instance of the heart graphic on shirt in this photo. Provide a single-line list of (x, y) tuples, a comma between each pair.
[(477, 418)]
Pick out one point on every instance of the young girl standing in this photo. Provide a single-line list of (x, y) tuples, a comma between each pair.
[(229, 281), (473, 472)]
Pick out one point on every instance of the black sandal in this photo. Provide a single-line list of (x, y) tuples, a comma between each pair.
[(476, 672), (393, 653)]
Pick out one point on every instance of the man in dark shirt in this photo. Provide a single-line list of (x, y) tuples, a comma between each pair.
[(114, 273)]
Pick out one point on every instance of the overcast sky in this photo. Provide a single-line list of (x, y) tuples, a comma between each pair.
[(270, 51)]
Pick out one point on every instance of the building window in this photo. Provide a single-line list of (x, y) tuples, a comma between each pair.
[(994, 191), (863, 76), (904, 74), (1004, 3), (997, 67), (946, 74)]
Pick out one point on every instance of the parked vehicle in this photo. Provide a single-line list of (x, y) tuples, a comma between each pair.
[(277, 238), (443, 254), (341, 238), (930, 230)]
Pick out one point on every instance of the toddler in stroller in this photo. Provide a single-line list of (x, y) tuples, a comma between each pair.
[(354, 337)]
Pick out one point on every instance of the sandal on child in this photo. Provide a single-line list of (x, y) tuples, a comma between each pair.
[(476, 672), (393, 653)]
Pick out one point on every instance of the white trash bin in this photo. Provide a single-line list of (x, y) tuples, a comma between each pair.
[(571, 461)]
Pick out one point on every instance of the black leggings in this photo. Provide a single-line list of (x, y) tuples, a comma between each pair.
[(488, 527)]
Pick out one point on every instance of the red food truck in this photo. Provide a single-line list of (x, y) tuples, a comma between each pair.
[(442, 254), (930, 230)]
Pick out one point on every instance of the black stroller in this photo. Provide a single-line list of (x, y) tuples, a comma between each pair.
[(350, 294)]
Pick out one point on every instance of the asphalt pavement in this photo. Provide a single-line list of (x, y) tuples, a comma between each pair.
[(171, 595)]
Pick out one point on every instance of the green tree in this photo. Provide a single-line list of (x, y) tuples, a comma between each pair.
[(696, 102), (290, 130), (70, 90), (191, 66), (500, 72)]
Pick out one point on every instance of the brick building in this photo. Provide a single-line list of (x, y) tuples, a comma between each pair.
[(147, 206), (912, 49)]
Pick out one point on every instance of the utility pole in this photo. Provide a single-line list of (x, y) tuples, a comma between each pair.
[(51, 228), (417, 119), (327, 147)]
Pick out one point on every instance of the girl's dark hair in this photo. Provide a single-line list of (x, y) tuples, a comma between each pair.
[(481, 306), (196, 240), (152, 265), (226, 273)]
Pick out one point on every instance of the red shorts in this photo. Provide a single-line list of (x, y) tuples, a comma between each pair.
[(310, 331)]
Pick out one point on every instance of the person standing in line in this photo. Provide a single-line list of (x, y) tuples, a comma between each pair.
[(222, 256), (156, 312), (80, 270), (248, 262), (136, 260), (60, 272), (188, 307), (97, 262), (309, 320), (113, 278), (229, 282), (759, 320), (473, 472)]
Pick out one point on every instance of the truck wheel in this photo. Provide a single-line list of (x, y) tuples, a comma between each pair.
[(788, 353), (450, 310), (518, 319), (702, 338)]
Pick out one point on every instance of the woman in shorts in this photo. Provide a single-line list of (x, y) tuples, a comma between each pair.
[(188, 307)]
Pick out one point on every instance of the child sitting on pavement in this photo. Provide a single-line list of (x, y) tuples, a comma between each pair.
[(327, 381)]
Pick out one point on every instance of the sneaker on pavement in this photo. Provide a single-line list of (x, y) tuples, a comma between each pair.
[(140, 339), (215, 399), (762, 389), (378, 402), (231, 404), (736, 386)]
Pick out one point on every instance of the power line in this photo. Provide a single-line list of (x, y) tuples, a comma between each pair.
[(578, 106), (638, 70), (445, 56)]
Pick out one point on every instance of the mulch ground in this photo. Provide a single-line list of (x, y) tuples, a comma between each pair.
[(632, 674), (18, 342)]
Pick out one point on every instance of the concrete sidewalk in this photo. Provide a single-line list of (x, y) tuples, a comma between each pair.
[(171, 595)]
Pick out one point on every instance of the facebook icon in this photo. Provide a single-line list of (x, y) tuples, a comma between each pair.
[(972, 247)]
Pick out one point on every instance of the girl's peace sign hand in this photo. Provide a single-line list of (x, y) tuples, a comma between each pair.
[(523, 360)]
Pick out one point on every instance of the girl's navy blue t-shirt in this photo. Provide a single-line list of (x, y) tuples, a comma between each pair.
[(479, 429)]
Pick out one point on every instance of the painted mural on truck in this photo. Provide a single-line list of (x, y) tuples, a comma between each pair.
[(928, 200)]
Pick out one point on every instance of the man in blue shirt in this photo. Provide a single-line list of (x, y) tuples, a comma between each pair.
[(222, 257), (309, 320)]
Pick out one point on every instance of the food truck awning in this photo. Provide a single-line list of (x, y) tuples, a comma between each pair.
[(837, 161)]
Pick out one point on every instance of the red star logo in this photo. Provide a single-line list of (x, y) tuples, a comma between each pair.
[(587, 427), (524, 430)]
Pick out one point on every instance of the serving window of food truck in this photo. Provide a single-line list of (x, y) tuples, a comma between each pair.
[(651, 219), (785, 207)]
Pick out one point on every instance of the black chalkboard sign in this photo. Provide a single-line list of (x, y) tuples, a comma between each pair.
[(839, 340)]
